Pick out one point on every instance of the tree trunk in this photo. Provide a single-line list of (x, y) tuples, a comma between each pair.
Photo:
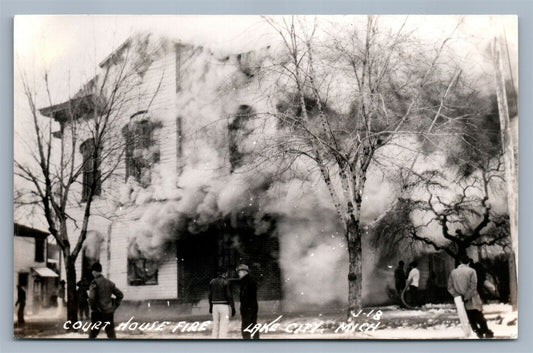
[(355, 269), (72, 305), (461, 251)]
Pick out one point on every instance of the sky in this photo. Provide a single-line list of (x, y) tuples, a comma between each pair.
[(69, 47), (77, 42)]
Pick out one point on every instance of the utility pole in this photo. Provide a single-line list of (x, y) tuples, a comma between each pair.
[(510, 167)]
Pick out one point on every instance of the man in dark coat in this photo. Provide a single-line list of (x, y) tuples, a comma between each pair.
[(248, 298), (399, 278), (481, 277), (102, 304), (220, 305)]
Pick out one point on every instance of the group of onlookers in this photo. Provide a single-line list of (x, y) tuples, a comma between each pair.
[(465, 281), (221, 303)]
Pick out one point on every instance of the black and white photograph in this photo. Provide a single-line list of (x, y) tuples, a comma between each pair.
[(276, 177)]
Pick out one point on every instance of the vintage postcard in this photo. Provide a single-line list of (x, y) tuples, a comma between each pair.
[(265, 177)]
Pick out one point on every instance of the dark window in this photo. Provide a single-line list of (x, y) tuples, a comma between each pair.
[(228, 255), (140, 154), (142, 272), (437, 266), (39, 249), (179, 143), (91, 171), (237, 133), (178, 48)]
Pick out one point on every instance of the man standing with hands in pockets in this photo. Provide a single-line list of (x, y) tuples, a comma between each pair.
[(220, 304), (248, 297), (462, 285)]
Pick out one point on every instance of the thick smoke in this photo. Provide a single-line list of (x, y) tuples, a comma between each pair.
[(92, 244), (313, 254), (313, 250)]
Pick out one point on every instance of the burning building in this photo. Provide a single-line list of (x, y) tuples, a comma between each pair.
[(177, 208), (183, 202)]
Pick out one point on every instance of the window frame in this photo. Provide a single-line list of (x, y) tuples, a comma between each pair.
[(87, 150), (139, 281), (139, 135)]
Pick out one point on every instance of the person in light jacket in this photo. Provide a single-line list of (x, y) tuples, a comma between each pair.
[(413, 281), (463, 282)]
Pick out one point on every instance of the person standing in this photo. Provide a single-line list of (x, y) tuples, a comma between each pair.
[(481, 274), (220, 304), (432, 290), (83, 300), (399, 277), (102, 303), (463, 283), (61, 292), (61, 299), (413, 281), (21, 302), (248, 298)]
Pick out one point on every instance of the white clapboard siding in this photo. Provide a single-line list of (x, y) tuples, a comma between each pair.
[(167, 273), (197, 101)]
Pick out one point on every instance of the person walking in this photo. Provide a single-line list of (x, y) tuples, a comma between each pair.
[(102, 303), (463, 283), (220, 304), (412, 282), (21, 302), (248, 298)]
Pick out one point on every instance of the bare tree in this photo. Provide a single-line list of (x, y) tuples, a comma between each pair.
[(461, 205), (467, 218), (343, 97), (78, 149)]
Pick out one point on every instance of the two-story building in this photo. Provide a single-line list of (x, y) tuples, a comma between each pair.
[(35, 267), (159, 225)]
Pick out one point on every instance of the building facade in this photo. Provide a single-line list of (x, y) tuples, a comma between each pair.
[(155, 227), (35, 268)]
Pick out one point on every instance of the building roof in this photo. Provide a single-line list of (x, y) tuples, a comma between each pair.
[(74, 107), (116, 53), (24, 231)]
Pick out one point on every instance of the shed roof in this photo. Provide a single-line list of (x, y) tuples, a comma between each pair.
[(25, 231), (44, 272)]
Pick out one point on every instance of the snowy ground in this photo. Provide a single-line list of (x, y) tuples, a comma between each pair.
[(430, 322)]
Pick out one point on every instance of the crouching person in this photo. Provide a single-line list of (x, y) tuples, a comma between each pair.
[(102, 303)]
